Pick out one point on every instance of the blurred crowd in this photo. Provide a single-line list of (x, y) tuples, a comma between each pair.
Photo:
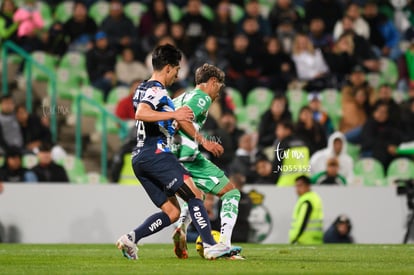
[(283, 45)]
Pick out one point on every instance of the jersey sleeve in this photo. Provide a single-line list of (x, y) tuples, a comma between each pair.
[(154, 96), (199, 104)]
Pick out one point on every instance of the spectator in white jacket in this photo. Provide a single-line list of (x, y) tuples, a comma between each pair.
[(361, 26), (309, 61), (336, 148)]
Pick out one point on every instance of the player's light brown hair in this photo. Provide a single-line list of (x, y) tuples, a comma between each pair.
[(205, 72)]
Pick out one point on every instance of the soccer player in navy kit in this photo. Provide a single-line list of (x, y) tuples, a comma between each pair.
[(158, 170)]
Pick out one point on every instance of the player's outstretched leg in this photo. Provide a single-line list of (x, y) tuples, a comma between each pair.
[(127, 246), (228, 215), (180, 233), (128, 242)]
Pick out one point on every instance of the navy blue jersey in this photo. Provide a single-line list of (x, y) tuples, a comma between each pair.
[(156, 96)]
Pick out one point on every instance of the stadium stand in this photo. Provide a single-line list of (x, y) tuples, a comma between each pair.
[(72, 79), (369, 172)]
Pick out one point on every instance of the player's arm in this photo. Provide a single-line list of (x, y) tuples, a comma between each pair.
[(303, 218), (213, 147), (146, 113)]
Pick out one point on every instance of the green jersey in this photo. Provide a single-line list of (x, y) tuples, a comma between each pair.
[(199, 102)]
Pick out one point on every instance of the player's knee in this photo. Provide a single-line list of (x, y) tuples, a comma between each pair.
[(229, 187), (174, 214), (232, 194), (186, 193)]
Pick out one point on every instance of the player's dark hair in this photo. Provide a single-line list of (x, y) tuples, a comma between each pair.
[(205, 72), (165, 55), (305, 179)]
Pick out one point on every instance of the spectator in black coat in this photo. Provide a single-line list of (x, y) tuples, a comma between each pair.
[(310, 131), (279, 110), (329, 10), (384, 95), (119, 28), (339, 231), (318, 35), (156, 13), (362, 48), (408, 121), (80, 28), (12, 170), (33, 130), (244, 159), (222, 26), (100, 64), (228, 136), (277, 68), (380, 138), (244, 66), (341, 59), (284, 10), (196, 26), (265, 171), (47, 170)]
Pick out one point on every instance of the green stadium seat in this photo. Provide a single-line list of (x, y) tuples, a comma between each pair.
[(236, 13), (67, 85), (134, 11), (401, 168), (369, 172), (112, 127), (254, 114), (47, 60), (353, 150), (374, 79), (75, 169), (235, 96), (260, 97), (1, 161), (175, 12), (46, 13), (399, 96), (29, 161), (258, 101), (389, 71), (266, 7), (95, 178), (297, 99), (88, 109), (99, 11), (116, 94), (243, 121), (75, 64), (73, 61), (64, 11), (207, 12), (332, 104)]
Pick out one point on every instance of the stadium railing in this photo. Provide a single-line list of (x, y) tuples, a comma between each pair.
[(30, 62), (123, 126)]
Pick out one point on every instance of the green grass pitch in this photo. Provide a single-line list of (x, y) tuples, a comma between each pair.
[(159, 259)]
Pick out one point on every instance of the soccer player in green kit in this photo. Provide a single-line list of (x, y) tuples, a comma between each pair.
[(207, 176)]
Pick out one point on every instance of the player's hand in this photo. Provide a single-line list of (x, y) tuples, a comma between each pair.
[(213, 147), (184, 113)]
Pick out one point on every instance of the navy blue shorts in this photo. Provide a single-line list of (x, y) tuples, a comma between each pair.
[(161, 174)]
